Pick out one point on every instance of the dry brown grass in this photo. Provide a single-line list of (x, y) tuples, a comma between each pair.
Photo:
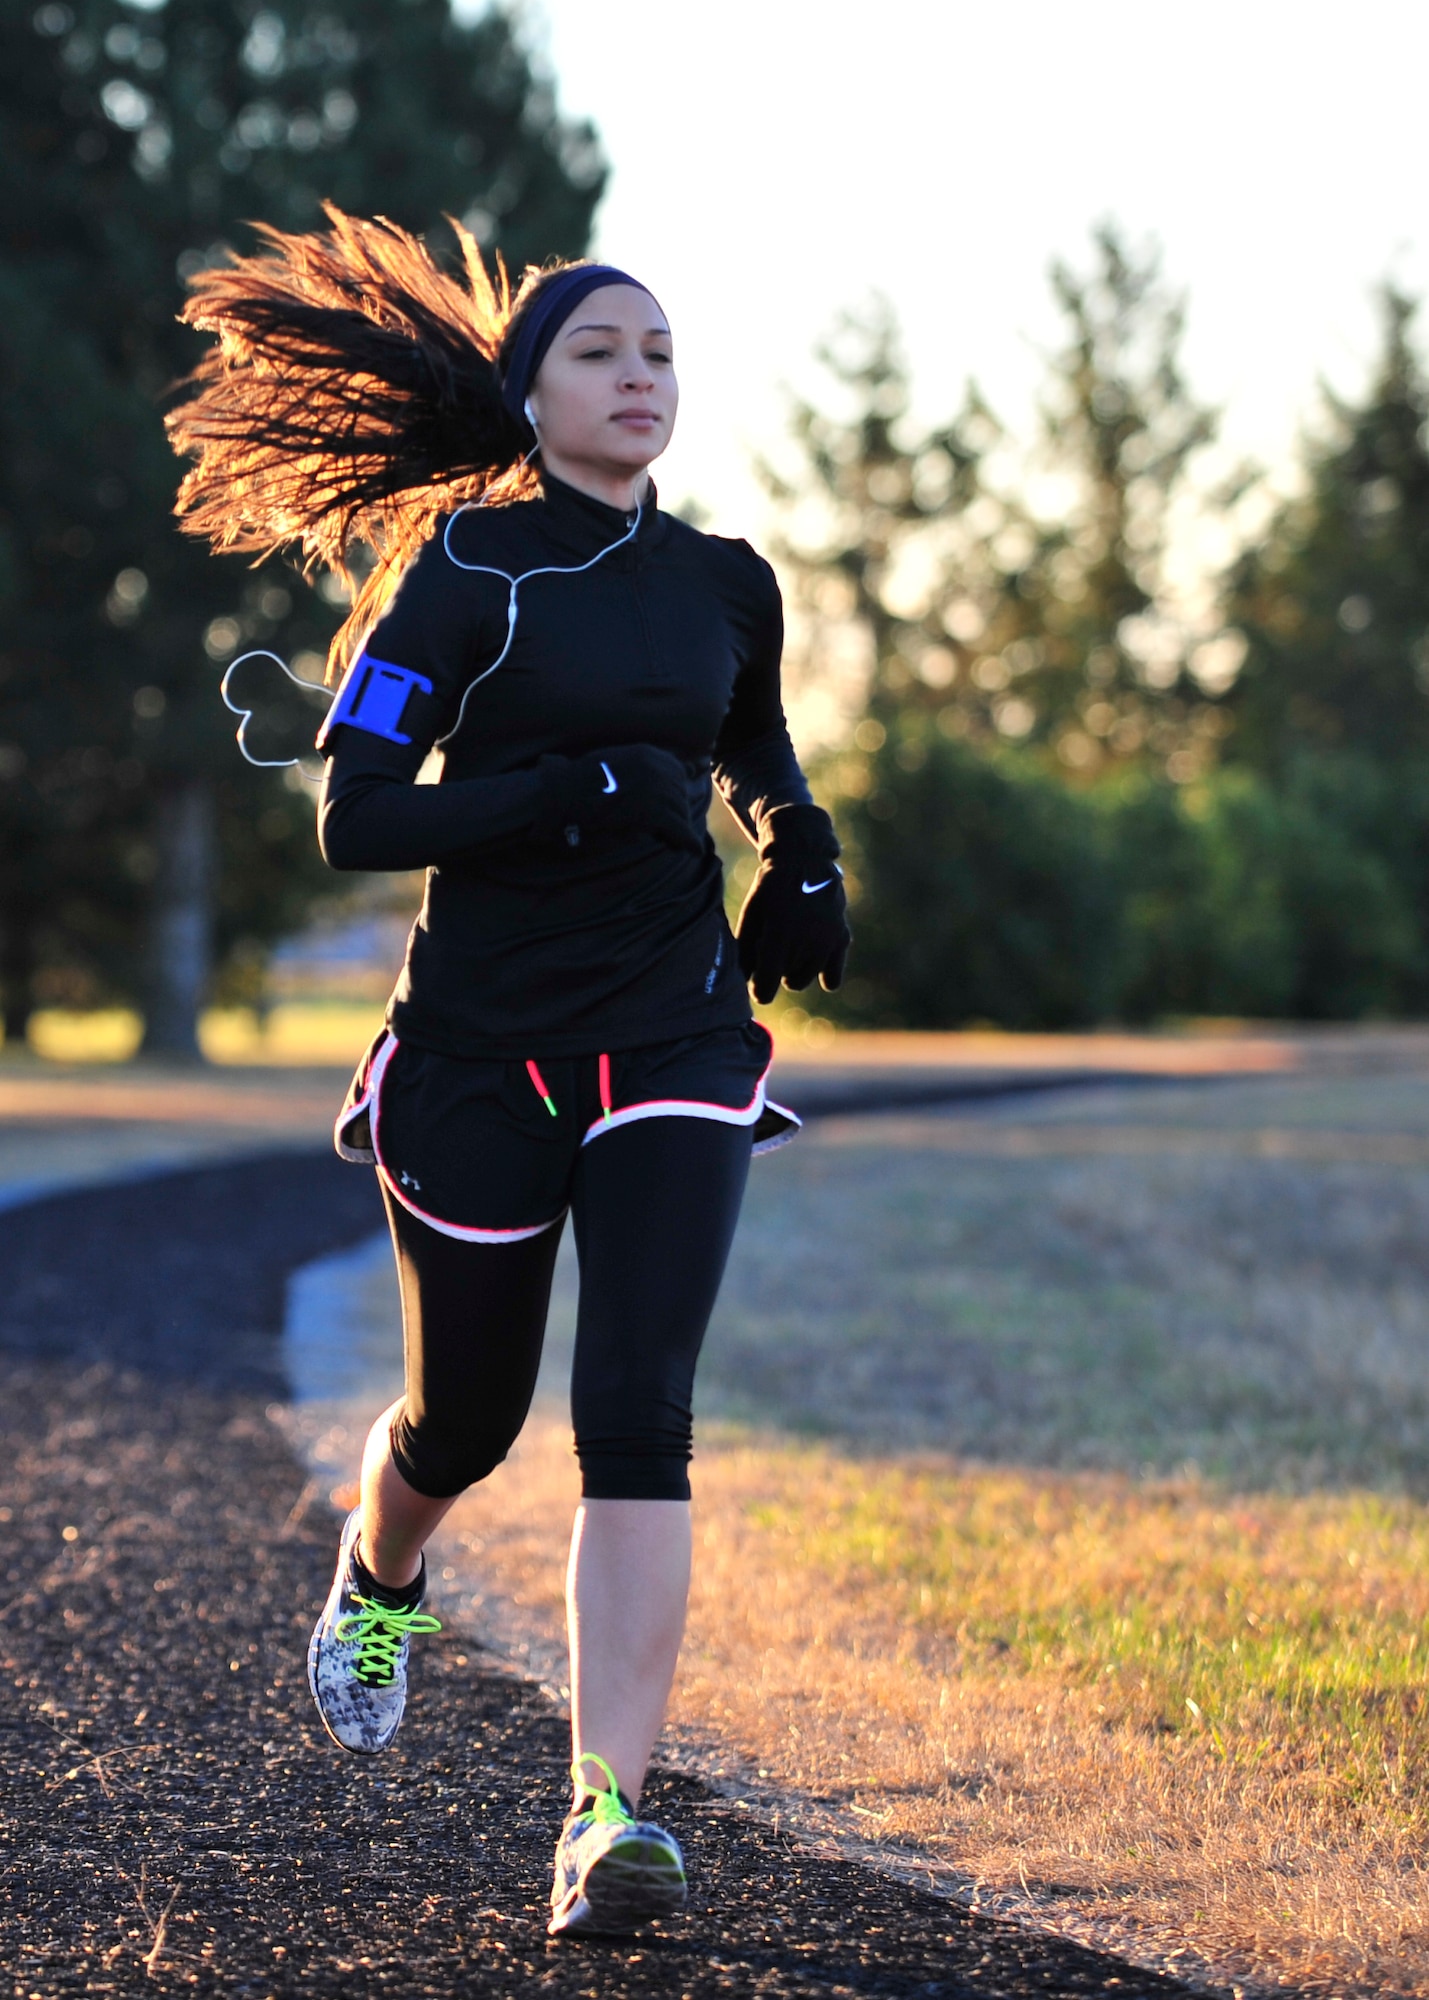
[(1263, 1319), (1057, 1524), (1191, 1729)]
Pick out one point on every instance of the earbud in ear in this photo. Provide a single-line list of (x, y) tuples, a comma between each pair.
[(530, 413)]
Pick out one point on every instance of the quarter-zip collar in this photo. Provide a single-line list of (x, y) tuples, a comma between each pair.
[(581, 524)]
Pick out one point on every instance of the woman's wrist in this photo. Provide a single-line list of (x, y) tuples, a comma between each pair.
[(803, 829)]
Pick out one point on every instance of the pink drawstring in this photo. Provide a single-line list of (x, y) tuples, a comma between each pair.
[(550, 1103), (541, 1090)]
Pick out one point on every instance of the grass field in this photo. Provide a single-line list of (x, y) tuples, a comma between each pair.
[(1060, 1516), (293, 1034), (1262, 1321)]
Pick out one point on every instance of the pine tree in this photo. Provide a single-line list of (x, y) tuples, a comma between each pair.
[(886, 528), (135, 145), (1094, 646), (989, 636), (973, 607), (1333, 603)]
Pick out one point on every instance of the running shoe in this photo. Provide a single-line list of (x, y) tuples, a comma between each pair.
[(357, 1658), (613, 1871)]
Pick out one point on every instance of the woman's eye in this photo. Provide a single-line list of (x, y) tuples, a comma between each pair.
[(594, 354)]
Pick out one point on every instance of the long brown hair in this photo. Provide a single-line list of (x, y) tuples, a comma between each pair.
[(352, 398)]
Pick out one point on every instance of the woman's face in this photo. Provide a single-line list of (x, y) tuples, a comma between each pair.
[(605, 396)]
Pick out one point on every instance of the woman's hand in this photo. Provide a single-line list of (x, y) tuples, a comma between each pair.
[(613, 791), (793, 925)]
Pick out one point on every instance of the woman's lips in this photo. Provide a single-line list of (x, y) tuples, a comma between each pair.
[(641, 419)]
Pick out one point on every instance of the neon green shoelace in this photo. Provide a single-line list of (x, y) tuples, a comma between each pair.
[(378, 1632), (606, 1808)]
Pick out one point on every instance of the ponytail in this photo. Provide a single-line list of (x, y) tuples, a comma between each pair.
[(351, 399)]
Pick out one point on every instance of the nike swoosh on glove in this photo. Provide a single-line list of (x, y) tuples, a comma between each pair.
[(794, 925), (613, 791)]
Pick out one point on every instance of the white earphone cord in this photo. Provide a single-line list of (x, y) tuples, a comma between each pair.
[(245, 714), (481, 569), (515, 582)]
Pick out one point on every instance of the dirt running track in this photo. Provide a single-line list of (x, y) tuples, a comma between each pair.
[(173, 1818)]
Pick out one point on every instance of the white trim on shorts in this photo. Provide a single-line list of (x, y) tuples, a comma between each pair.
[(464, 1232), (696, 1107), (629, 1114)]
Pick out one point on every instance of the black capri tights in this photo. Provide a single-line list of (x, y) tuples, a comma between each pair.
[(655, 1205)]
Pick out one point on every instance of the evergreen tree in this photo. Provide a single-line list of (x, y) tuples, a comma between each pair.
[(1331, 704), (1089, 638), (983, 892), (1333, 603), (974, 608), (135, 144), (887, 529), (1048, 648)]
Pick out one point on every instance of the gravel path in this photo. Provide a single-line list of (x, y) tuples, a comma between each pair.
[(173, 1817)]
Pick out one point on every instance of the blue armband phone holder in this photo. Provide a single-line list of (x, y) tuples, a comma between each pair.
[(372, 697)]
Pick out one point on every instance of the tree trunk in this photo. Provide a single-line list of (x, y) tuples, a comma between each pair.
[(17, 971), (180, 922)]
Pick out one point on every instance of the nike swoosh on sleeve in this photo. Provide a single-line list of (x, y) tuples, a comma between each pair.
[(610, 784), (811, 888)]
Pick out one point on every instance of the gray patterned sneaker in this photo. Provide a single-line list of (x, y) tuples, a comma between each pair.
[(357, 1658), (613, 1871)]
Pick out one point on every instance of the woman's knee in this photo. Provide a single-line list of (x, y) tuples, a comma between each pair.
[(646, 1465), (441, 1463)]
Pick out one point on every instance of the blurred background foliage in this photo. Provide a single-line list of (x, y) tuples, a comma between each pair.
[(1074, 788), (140, 859), (1081, 772)]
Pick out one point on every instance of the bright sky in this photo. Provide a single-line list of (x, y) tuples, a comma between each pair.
[(774, 160)]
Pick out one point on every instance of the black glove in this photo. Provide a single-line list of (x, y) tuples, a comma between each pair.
[(793, 924), (612, 791)]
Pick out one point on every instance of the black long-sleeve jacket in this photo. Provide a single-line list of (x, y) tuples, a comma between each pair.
[(525, 947)]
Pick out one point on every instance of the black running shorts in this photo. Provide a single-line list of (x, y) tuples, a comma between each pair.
[(485, 1151)]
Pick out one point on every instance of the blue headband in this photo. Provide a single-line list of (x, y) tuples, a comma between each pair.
[(553, 306)]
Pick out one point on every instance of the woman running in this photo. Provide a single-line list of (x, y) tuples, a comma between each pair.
[(571, 1032)]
